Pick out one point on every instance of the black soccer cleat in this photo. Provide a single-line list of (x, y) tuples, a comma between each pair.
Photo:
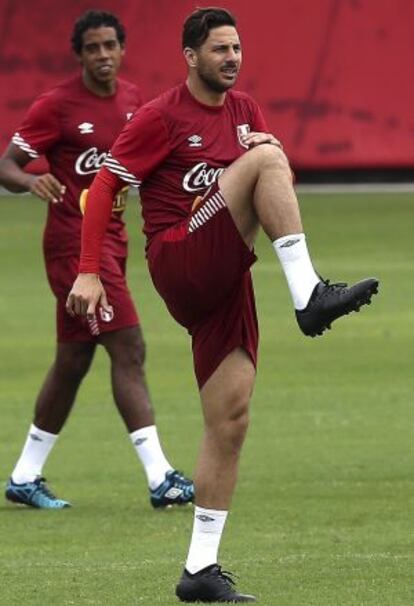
[(211, 584), (329, 302)]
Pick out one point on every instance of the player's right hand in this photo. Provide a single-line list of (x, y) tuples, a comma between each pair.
[(46, 187), (86, 294)]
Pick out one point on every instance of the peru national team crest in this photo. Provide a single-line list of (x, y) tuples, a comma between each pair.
[(242, 129), (107, 315)]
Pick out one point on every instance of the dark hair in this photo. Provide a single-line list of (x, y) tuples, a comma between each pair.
[(198, 25), (93, 20)]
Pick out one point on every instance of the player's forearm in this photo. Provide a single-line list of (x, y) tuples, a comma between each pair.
[(96, 219), (13, 178)]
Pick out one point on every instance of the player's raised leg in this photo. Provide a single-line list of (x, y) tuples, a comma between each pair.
[(126, 349), (225, 400), (258, 190), (26, 485)]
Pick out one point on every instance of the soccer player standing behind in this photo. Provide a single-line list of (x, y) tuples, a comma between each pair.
[(74, 125), (210, 174)]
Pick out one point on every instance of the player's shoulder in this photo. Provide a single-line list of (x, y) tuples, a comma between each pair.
[(59, 92), (240, 97), (166, 103), (128, 87)]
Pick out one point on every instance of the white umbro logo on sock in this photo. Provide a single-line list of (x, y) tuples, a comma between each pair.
[(204, 518), (35, 437)]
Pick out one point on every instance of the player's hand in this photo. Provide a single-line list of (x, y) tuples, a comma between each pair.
[(46, 187), (253, 139), (86, 294)]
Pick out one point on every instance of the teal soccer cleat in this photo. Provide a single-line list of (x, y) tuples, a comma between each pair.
[(175, 490), (34, 494)]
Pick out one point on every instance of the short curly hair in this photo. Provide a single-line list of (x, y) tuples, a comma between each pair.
[(92, 20)]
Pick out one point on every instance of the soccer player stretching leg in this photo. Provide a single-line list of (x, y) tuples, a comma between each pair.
[(210, 176), (74, 125)]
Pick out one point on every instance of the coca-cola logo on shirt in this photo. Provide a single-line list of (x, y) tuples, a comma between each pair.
[(201, 176), (90, 161)]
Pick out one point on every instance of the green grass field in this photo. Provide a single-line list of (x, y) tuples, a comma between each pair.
[(323, 513)]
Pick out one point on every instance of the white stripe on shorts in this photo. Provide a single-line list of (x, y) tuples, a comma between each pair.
[(206, 212), (93, 326)]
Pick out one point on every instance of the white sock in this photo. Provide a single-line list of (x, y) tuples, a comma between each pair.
[(149, 451), (35, 451), (207, 530), (297, 266)]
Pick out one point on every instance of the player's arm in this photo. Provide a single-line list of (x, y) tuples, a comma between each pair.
[(87, 291), (253, 139), (259, 133), (14, 178), (140, 148)]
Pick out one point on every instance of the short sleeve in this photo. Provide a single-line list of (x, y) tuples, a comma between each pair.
[(140, 148), (259, 123), (40, 129)]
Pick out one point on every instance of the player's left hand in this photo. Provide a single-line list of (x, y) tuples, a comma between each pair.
[(253, 139), (86, 294)]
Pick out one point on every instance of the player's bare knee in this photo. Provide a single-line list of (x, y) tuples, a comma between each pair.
[(231, 425), (126, 348), (134, 351), (232, 432), (270, 156)]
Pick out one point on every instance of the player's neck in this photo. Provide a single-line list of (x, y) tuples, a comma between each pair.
[(205, 95), (101, 89)]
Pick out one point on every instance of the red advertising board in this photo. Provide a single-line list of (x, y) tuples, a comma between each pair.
[(334, 77)]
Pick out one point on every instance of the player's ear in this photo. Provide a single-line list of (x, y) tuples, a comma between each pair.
[(190, 56)]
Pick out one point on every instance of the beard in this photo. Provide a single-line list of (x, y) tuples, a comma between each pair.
[(212, 82)]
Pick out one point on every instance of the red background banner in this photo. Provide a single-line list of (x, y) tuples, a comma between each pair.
[(334, 77)]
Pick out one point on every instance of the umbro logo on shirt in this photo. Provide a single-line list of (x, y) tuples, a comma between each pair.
[(129, 115), (195, 141), (86, 128)]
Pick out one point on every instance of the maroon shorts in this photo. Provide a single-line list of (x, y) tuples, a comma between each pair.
[(61, 273), (200, 267)]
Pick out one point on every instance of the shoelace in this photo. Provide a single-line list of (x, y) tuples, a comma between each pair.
[(333, 288), (44, 489), (226, 577), (179, 480)]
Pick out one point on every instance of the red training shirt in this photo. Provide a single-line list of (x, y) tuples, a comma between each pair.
[(173, 149), (74, 129)]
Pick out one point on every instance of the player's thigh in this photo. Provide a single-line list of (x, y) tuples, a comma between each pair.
[(73, 359), (238, 183), (61, 273)]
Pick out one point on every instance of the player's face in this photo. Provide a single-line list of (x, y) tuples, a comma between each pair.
[(101, 54), (218, 60)]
